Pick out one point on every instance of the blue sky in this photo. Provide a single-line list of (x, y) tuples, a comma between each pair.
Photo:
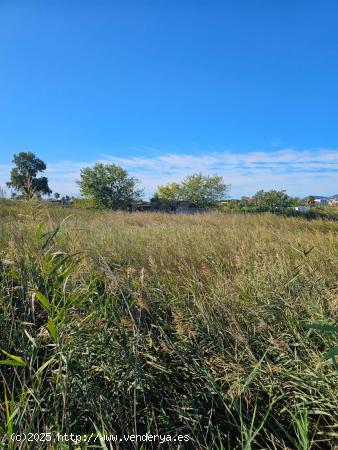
[(246, 89)]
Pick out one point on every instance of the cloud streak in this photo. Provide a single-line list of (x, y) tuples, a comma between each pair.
[(299, 172)]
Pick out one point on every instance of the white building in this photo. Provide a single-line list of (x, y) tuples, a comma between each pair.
[(321, 201)]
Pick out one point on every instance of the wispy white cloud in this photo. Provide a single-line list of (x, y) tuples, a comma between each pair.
[(300, 172)]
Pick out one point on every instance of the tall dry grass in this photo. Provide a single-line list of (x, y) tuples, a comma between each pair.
[(128, 323)]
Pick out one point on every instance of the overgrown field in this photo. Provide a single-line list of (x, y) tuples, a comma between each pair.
[(193, 325)]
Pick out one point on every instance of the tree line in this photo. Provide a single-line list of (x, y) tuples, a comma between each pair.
[(111, 186)]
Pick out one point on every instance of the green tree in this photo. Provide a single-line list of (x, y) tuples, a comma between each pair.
[(24, 176), (56, 195), (258, 197), (197, 189), (168, 192), (295, 201), (203, 191), (109, 186), (273, 201)]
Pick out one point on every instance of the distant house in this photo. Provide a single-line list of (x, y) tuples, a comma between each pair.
[(169, 207), (302, 208), (64, 201), (321, 201)]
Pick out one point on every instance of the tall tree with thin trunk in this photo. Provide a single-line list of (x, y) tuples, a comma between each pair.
[(24, 179)]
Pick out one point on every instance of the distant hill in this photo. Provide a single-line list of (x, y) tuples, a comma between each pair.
[(326, 197)]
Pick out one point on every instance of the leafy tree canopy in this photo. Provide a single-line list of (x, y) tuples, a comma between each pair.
[(168, 192), (24, 176), (109, 186), (273, 201), (197, 189)]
